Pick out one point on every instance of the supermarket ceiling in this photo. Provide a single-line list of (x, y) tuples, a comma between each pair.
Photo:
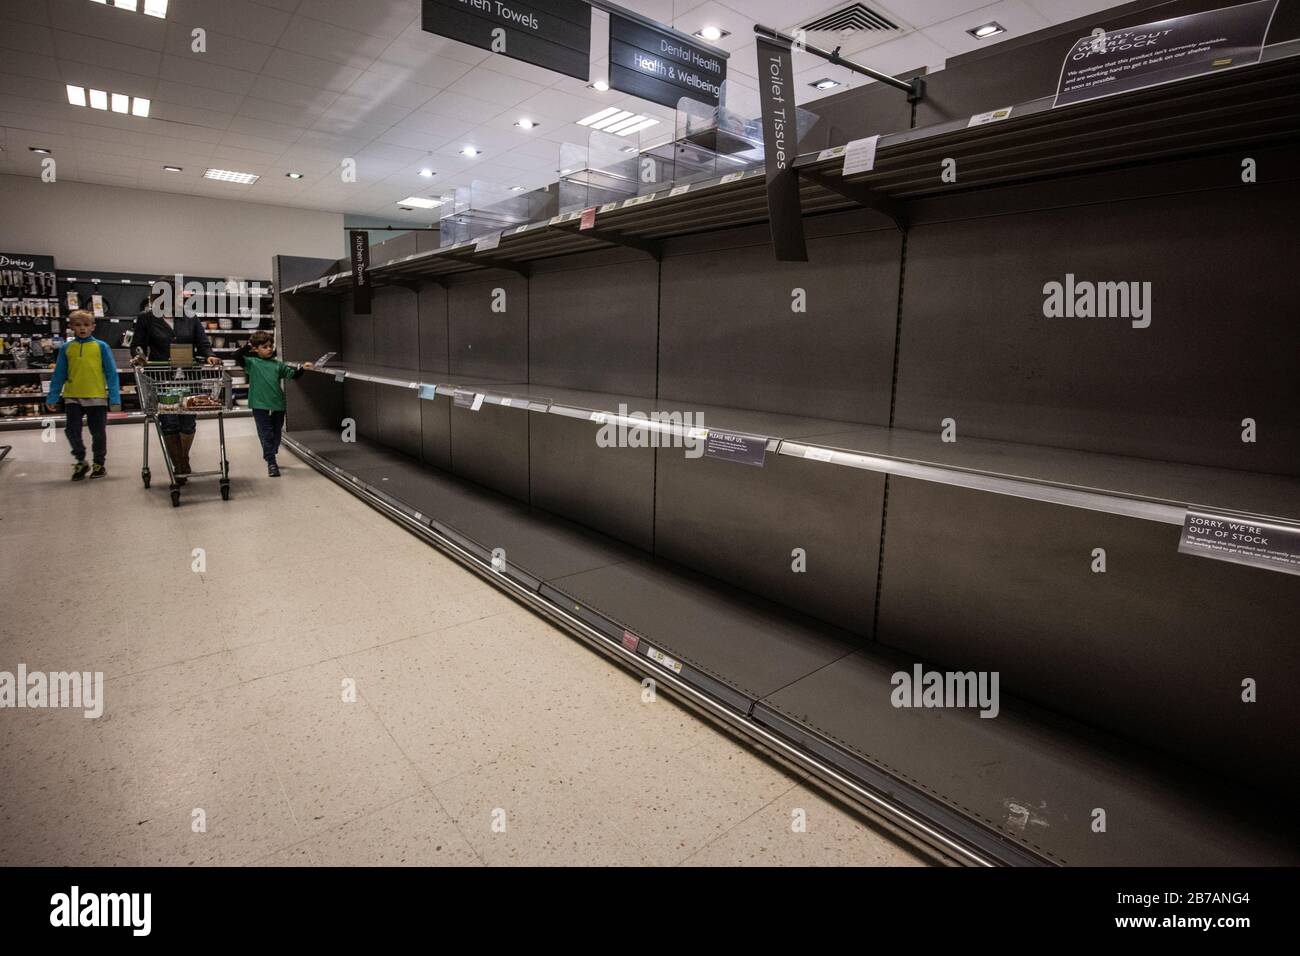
[(296, 86)]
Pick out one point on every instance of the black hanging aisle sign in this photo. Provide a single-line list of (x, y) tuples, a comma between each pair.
[(660, 65), (1165, 51), (780, 134), (359, 245), (552, 34)]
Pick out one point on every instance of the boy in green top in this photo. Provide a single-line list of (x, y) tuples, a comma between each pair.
[(265, 393)]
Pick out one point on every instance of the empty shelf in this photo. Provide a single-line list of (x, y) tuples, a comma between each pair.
[(1030, 777)]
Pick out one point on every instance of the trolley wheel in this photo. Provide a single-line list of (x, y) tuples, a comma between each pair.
[(144, 476), (225, 491), (176, 499)]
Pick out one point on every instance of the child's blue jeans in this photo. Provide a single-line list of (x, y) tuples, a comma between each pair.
[(269, 426)]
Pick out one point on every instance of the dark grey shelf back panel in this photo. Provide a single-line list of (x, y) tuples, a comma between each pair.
[(1222, 344), (486, 343), (728, 335), (595, 328), (399, 419), (360, 403), (490, 447), (432, 306), (435, 429), (358, 335), (741, 524), (396, 327), (1154, 649), (608, 489)]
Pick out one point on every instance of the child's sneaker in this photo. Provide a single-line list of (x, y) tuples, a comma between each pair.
[(272, 470), (79, 470), (98, 471)]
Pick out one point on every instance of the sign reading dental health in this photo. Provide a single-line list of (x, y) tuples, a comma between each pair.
[(1164, 51), (659, 65), (552, 34)]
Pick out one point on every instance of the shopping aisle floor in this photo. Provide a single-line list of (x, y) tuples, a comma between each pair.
[(479, 734)]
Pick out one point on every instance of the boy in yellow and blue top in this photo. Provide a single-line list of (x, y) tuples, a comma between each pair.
[(85, 380), (266, 394)]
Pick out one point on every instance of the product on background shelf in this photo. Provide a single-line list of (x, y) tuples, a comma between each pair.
[(97, 305)]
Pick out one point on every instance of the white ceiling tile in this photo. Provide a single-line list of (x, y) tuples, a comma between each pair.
[(1017, 16), (190, 115), (31, 88), (103, 78), (198, 73), (272, 147), (182, 94), (311, 71), (456, 106), (28, 11), (278, 113), (924, 13), (353, 109), (104, 22), (198, 134), (279, 132), (421, 63), (354, 129), (377, 19), (391, 90), (288, 6), (30, 65), (492, 87), (329, 42), (219, 48), (1063, 11), (236, 18), (78, 48), (30, 37), (271, 89)]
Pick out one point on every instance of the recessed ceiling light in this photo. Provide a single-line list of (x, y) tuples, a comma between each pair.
[(712, 33), (294, 174), (98, 100), (527, 124), (174, 169), (230, 176), (39, 149), (121, 102), (426, 173), (76, 95), (646, 123), (825, 83), (516, 189), (419, 202), (600, 86), (155, 8), (131, 5), (140, 107), (630, 149), (469, 151), (986, 30)]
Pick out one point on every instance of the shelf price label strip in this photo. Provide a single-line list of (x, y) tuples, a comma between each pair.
[(1131, 507)]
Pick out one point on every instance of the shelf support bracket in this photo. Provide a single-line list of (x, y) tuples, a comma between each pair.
[(648, 246), (520, 267), (862, 194)]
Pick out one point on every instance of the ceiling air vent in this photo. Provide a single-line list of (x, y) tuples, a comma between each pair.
[(850, 19)]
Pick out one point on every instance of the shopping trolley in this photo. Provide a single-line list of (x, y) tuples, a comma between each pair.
[(203, 391)]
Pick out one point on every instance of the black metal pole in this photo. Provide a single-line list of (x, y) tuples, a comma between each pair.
[(394, 228), (914, 88)]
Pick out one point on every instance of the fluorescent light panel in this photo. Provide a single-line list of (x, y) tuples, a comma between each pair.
[(231, 176), (153, 8), (140, 107), (98, 100), (121, 103), (76, 95), (419, 202)]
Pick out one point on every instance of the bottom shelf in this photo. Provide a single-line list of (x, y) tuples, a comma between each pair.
[(1018, 789), (114, 418)]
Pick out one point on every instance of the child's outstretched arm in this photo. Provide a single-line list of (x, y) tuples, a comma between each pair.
[(111, 377), (58, 379)]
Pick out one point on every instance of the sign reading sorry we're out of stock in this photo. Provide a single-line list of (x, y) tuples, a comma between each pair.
[(1134, 58), (552, 34)]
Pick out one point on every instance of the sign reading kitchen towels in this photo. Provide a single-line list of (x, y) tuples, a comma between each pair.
[(1134, 58), (552, 34)]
